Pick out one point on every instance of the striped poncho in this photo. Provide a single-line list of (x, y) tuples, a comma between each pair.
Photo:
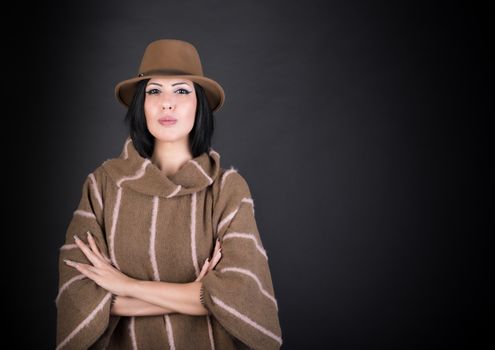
[(162, 228)]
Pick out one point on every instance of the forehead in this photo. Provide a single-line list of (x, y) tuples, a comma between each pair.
[(168, 81)]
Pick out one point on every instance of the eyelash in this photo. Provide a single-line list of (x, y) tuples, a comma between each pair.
[(150, 92)]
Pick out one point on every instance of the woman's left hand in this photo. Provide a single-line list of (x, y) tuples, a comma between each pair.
[(102, 272), (210, 264)]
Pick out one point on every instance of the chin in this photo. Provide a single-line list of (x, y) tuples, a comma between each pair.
[(168, 137)]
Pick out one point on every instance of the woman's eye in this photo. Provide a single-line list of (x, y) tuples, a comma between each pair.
[(185, 91), (152, 91)]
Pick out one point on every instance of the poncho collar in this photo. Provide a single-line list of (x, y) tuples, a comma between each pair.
[(133, 171)]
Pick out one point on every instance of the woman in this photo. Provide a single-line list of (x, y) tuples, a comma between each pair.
[(131, 271)]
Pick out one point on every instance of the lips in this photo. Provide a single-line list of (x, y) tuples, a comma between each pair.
[(167, 119)]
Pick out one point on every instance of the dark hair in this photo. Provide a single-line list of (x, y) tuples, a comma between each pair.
[(200, 136)]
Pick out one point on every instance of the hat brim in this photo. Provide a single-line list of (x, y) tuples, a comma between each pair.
[(124, 91)]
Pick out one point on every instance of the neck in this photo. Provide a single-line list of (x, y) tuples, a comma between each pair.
[(170, 156)]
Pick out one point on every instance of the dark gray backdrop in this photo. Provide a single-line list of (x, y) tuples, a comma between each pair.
[(359, 127)]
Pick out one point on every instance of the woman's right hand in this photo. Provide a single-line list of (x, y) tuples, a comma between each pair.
[(211, 263)]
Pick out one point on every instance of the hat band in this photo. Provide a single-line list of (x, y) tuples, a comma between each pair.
[(164, 72)]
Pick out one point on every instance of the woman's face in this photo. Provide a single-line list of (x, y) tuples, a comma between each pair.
[(174, 98)]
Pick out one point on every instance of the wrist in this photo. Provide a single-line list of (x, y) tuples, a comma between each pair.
[(132, 286)]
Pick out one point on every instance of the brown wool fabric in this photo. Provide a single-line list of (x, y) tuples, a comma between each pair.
[(162, 228)]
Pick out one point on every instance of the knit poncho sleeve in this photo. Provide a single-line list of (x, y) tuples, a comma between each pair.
[(83, 307), (239, 291)]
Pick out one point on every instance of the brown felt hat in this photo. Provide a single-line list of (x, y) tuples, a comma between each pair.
[(174, 58)]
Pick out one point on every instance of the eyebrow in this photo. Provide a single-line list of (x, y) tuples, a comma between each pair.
[(182, 82)]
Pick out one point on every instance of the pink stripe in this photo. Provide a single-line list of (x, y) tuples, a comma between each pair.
[(132, 333), (126, 154), (68, 246), (95, 190), (85, 322), (67, 284), (226, 220), (210, 181), (213, 152), (255, 278), (116, 210), (210, 332), (227, 173), (85, 213), (248, 236), (233, 213), (246, 319), (152, 250), (248, 200), (193, 233), (136, 176), (177, 189), (170, 333)]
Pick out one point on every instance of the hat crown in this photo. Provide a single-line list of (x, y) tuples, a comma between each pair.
[(169, 57)]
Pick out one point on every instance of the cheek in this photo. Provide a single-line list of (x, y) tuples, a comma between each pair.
[(151, 110), (192, 110), (148, 107)]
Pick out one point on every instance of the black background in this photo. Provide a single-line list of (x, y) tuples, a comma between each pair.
[(361, 128)]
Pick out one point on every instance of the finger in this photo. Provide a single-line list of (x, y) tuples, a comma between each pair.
[(217, 246), (215, 252), (88, 252), (108, 259), (70, 262), (94, 246), (203, 270), (88, 270), (218, 254), (215, 259)]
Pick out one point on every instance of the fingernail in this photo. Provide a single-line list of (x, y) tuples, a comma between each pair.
[(75, 237), (71, 263)]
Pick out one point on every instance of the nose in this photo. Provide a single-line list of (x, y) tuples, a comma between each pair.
[(167, 103)]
